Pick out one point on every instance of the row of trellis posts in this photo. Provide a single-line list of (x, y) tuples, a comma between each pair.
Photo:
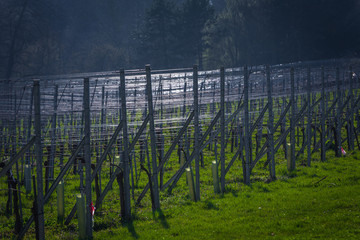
[(344, 100)]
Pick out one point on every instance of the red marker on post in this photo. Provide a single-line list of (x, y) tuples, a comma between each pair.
[(92, 210), (343, 151)]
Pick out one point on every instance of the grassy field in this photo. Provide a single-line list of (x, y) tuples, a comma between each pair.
[(321, 202)]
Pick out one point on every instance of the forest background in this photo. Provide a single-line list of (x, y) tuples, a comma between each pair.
[(65, 36)]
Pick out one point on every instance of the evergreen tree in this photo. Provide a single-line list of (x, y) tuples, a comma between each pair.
[(195, 14), (277, 31), (227, 35), (28, 32), (159, 35)]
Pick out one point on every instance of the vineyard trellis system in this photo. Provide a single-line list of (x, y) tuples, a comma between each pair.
[(102, 127)]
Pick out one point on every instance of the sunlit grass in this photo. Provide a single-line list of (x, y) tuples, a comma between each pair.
[(317, 202), (322, 201)]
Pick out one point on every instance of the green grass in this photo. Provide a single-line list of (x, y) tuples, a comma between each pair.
[(321, 202), (318, 202)]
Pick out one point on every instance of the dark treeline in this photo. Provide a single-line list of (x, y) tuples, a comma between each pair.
[(64, 36)]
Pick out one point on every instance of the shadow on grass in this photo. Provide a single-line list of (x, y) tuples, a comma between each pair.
[(98, 226), (209, 205), (131, 229), (231, 190), (159, 215)]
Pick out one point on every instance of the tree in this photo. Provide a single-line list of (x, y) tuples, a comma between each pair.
[(157, 38), (227, 35), (195, 14), (277, 31), (27, 37)]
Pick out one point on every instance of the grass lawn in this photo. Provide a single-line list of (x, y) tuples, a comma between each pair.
[(321, 201)]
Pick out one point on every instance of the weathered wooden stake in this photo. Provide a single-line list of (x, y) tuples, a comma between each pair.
[(351, 117), (283, 123), (190, 177), (338, 114), (270, 126), (102, 122), (51, 163), (288, 154), (222, 128), (309, 118), (38, 150), (184, 105), (152, 139), (87, 156), (27, 178), (125, 153), (196, 133), (215, 175), (246, 127), (60, 202), (292, 121), (323, 115), (27, 174), (71, 123), (81, 211)]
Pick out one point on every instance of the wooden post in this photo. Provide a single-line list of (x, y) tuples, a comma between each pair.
[(222, 128), (309, 118), (53, 142), (27, 174), (189, 177), (292, 121), (351, 117), (184, 107), (102, 122), (60, 202), (215, 175), (288, 154), (131, 162), (196, 133), (27, 178), (228, 103), (15, 185), (71, 122), (87, 157), (283, 123), (125, 153), (212, 110), (213, 107), (81, 216), (38, 150), (246, 127), (270, 126), (135, 97), (2, 139), (323, 115), (338, 114), (160, 136), (152, 139)]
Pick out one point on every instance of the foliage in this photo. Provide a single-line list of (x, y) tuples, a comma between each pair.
[(62, 36), (307, 203), (159, 33), (173, 37), (195, 14), (23, 26), (275, 31)]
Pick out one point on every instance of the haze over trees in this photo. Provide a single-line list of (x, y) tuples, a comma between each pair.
[(278, 31), (64, 36)]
